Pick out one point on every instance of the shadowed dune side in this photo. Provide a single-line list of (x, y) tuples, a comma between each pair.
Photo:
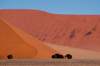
[(78, 31), (22, 46), (75, 52)]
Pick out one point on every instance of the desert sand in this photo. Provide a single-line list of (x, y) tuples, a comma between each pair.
[(77, 31), (79, 35), (75, 52), (21, 45)]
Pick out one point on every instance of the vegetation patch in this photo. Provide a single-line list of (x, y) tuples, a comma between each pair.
[(10, 56), (68, 56), (57, 56)]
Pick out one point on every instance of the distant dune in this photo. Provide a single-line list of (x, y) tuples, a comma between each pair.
[(21, 45), (78, 31), (75, 52)]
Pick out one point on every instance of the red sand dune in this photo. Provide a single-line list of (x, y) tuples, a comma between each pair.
[(79, 31), (21, 45)]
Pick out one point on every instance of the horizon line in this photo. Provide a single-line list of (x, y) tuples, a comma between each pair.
[(49, 12)]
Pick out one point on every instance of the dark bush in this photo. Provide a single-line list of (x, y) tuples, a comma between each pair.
[(10, 56), (54, 56), (57, 56), (68, 56)]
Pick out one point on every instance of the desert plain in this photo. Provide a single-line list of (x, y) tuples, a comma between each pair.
[(49, 62)]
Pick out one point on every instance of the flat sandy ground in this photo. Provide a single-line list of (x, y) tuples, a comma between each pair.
[(49, 62)]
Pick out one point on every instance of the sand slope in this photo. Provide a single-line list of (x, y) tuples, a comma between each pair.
[(22, 46), (79, 31), (76, 53)]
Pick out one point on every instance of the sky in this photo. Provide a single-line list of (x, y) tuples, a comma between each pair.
[(81, 7)]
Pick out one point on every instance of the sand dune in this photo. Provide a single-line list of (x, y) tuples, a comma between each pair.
[(78, 31), (76, 53), (21, 45)]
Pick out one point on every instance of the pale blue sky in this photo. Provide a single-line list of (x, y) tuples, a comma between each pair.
[(81, 7)]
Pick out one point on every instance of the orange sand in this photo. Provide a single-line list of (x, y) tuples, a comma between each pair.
[(78, 31), (21, 45)]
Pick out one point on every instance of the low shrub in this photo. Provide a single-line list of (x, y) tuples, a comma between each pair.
[(57, 56), (68, 56), (10, 56)]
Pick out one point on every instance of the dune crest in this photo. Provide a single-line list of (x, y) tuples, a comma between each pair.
[(22, 46), (78, 31)]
